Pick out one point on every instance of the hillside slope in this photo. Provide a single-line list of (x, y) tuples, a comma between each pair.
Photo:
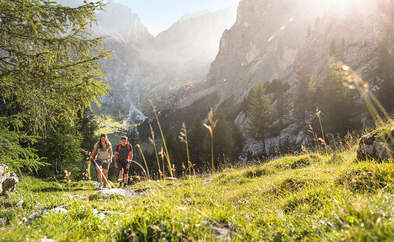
[(289, 41), (311, 197)]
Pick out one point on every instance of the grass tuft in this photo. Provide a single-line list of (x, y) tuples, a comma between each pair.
[(259, 172), (367, 179), (296, 162)]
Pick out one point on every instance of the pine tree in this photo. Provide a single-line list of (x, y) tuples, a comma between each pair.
[(239, 142), (338, 104), (301, 97), (383, 75), (197, 136), (49, 61), (259, 114), (49, 74), (223, 138)]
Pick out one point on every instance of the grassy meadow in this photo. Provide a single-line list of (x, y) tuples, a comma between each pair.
[(306, 197)]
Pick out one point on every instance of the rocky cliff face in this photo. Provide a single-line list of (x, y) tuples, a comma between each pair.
[(275, 39), (145, 67), (118, 22), (262, 45)]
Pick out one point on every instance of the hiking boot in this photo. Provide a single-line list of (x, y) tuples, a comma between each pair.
[(120, 184), (125, 185), (105, 186), (99, 187)]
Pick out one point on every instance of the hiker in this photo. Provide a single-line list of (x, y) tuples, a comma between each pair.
[(102, 155), (123, 157)]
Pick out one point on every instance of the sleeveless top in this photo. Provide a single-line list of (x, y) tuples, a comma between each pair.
[(103, 154)]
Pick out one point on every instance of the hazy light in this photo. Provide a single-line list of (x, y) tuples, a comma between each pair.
[(339, 1), (282, 28), (346, 3)]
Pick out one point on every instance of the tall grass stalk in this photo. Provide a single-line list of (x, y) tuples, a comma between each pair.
[(324, 142), (153, 142), (88, 169), (163, 138), (312, 131), (140, 166), (143, 157), (162, 155), (183, 139), (211, 127)]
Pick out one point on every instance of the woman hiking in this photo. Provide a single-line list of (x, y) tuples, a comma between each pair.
[(123, 157), (102, 155)]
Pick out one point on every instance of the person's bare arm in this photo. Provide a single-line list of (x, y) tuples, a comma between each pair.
[(116, 159), (110, 154), (92, 154)]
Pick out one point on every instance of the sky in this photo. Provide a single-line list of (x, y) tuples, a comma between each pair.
[(159, 15)]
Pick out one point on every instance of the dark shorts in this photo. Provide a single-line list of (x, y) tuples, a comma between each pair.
[(123, 164), (105, 165)]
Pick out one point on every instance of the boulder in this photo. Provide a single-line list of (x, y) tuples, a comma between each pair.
[(115, 193), (8, 180), (377, 145)]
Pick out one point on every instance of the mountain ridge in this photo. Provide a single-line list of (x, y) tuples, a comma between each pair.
[(285, 39)]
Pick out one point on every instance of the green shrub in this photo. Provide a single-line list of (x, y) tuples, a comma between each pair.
[(300, 163), (313, 200), (295, 162)]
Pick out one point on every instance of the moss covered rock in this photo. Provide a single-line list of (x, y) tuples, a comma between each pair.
[(378, 144)]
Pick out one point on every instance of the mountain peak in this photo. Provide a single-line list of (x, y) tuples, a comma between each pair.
[(119, 22)]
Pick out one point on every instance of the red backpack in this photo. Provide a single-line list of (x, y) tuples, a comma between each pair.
[(128, 148)]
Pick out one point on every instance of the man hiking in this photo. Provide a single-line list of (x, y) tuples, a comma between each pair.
[(102, 155), (123, 157)]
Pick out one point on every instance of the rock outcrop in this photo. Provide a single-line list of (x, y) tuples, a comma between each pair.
[(279, 39), (8, 180), (378, 145)]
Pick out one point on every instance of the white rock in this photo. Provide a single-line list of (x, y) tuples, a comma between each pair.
[(111, 192), (8, 180), (47, 240), (59, 210), (20, 203)]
